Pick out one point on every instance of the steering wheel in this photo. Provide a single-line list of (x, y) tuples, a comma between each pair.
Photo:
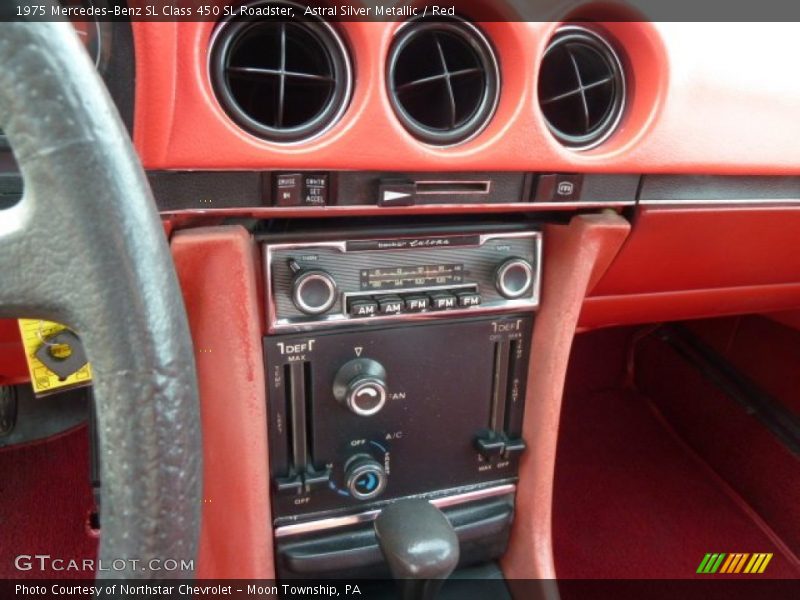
[(85, 247)]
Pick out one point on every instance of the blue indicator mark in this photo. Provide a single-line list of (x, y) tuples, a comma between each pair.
[(337, 490), (369, 481)]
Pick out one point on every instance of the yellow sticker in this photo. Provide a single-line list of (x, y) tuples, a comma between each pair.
[(35, 332)]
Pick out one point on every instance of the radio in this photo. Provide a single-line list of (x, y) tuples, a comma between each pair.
[(369, 280)]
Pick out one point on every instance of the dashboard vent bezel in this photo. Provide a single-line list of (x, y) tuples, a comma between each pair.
[(474, 45), (586, 51), (333, 101)]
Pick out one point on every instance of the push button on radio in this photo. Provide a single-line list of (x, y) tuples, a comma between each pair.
[(391, 305), (363, 308), (467, 299), (417, 303), (443, 301)]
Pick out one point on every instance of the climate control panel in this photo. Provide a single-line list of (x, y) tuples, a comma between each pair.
[(364, 415), (329, 283)]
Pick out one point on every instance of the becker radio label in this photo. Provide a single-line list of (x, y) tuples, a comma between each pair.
[(404, 243)]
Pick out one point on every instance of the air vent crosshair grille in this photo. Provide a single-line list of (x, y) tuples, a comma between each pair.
[(443, 80), (581, 88), (284, 81)]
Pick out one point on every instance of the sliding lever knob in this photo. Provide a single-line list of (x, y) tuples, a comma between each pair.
[(360, 385)]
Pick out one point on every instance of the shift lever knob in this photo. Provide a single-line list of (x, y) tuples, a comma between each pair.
[(420, 545)]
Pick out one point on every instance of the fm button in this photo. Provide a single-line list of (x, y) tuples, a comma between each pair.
[(467, 299), (417, 303), (443, 301)]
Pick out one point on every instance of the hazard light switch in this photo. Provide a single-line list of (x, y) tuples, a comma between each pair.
[(559, 187)]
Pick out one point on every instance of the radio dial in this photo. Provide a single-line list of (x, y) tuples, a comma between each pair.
[(514, 278), (365, 477), (313, 291), (360, 385)]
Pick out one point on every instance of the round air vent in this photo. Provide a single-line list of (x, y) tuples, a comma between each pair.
[(284, 81), (443, 80), (581, 88)]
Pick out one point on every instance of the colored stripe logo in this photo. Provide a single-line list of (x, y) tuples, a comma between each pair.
[(734, 563)]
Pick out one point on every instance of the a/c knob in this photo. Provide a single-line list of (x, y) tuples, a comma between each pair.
[(365, 477), (360, 385)]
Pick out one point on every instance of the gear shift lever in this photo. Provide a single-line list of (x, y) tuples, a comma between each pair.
[(420, 545)]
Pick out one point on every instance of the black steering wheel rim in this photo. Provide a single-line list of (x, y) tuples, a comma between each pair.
[(85, 247)]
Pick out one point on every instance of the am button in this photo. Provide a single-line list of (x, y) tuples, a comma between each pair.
[(391, 305)]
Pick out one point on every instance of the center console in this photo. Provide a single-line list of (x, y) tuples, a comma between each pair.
[(396, 368)]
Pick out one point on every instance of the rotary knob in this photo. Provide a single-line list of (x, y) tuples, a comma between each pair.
[(365, 477), (360, 385), (514, 278), (313, 291)]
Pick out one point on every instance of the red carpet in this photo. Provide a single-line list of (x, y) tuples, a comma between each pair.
[(631, 499), (735, 444), (764, 350), (45, 502)]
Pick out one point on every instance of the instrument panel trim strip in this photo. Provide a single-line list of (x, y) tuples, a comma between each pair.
[(371, 515), (361, 209)]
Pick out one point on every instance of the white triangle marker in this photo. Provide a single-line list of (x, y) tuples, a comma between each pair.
[(390, 195), (359, 350)]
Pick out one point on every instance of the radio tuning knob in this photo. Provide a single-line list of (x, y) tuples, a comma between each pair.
[(360, 385), (365, 478), (514, 278), (313, 290)]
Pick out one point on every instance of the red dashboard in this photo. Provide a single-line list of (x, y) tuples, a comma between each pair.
[(706, 98)]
